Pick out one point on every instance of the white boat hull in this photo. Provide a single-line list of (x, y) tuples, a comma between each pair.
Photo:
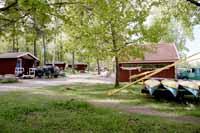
[(191, 87), (152, 85), (174, 91), (151, 89), (194, 92)]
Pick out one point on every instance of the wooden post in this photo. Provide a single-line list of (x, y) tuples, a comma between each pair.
[(129, 76)]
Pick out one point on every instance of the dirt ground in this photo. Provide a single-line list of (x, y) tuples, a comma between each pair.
[(70, 79)]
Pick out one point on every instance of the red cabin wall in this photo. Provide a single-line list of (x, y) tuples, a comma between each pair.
[(61, 66), (124, 74), (79, 67), (26, 64), (7, 66)]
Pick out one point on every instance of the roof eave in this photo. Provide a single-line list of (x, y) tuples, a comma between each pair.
[(27, 53), (163, 61)]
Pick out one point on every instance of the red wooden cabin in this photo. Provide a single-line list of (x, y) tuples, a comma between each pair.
[(9, 61), (79, 66), (162, 55), (61, 65)]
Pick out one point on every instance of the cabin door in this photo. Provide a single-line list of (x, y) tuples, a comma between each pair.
[(19, 63), (19, 69)]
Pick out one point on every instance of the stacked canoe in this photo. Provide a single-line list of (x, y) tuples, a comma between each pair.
[(190, 86), (152, 85), (173, 86)]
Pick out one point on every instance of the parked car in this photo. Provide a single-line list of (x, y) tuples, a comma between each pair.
[(47, 71), (188, 73)]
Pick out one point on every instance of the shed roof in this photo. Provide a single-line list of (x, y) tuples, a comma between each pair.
[(79, 63), (15, 55), (56, 62), (162, 52)]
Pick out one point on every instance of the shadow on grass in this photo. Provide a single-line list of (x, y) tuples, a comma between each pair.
[(132, 97)]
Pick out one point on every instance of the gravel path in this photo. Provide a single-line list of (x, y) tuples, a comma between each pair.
[(70, 79)]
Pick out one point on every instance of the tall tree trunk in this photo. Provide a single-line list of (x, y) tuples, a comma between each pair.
[(17, 44), (88, 68), (58, 54), (27, 46), (98, 67), (35, 37), (61, 48), (117, 71), (35, 47), (13, 39), (61, 52), (13, 45), (73, 62), (54, 51), (116, 55), (44, 48), (113, 67)]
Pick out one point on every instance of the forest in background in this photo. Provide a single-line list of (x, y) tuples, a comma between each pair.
[(94, 31)]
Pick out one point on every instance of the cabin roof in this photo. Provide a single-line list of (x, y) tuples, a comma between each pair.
[(79, 63), (162, 52), (56, 62), (15, 55)]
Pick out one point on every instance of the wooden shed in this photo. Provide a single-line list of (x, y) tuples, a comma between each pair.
[(10, 61), (61, 65), (160, 56), (79, 66)]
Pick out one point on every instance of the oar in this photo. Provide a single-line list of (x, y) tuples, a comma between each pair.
[(141, 74)]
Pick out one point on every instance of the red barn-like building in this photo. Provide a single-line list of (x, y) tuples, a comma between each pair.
[(61, 65), (9, 61), (162, 55), (81, 67)]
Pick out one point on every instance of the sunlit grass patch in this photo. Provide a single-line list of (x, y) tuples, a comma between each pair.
[(131, 97), (35, 112)]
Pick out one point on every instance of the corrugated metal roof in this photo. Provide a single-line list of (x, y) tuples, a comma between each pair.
[(14, 55), (161, 53)]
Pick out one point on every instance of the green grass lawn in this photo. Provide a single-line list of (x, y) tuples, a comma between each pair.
[(4, 81), (62, 109), (132, 96)]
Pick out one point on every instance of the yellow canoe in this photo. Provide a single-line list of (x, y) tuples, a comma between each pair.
[(171, 86), (170, 83), (188, 84), (197, 82), (152, 85)]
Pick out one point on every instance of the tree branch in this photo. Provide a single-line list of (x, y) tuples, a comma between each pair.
[(9, 6), (13, 21), (194, 2), (65, 3)]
